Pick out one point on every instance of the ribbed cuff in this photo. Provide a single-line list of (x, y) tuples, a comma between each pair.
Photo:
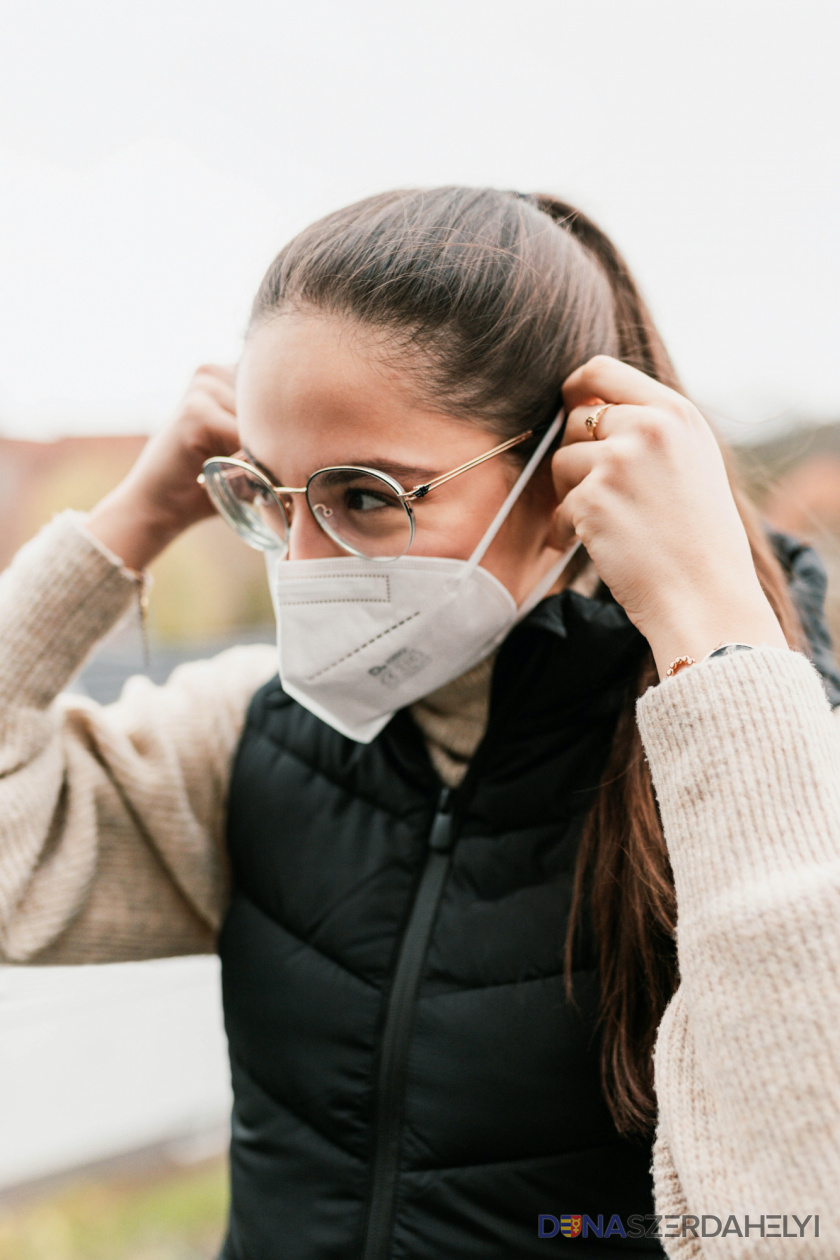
[(745, 758), (62, 592)]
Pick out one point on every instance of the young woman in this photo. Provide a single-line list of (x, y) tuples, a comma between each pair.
[(502, 815)]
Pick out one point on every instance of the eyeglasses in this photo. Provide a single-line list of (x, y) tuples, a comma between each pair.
[(366, 512)]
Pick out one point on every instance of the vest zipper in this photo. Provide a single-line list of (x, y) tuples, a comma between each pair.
[(396, 1036)]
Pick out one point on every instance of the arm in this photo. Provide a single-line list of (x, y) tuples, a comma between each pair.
[(111, 817), (745, 761), (745, 758)]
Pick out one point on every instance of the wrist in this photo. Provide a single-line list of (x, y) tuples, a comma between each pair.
[(695, 632), (131, 529)]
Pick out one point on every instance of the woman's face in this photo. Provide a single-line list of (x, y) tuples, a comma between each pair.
[(311, 391)]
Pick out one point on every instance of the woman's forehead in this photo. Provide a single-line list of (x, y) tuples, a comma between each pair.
[(309, 384), (320, 355)]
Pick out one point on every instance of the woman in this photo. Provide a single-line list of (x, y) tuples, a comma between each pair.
[(452, 926)]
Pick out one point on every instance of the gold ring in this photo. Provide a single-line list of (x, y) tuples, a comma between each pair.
[(592, 421)]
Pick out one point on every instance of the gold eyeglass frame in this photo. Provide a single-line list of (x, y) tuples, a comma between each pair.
[(406, 497)]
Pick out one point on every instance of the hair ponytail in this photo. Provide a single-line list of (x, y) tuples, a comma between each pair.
[(640, 343)]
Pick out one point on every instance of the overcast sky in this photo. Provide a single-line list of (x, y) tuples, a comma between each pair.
[(155, 156)]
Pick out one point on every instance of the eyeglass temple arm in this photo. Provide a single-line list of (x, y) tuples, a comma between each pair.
[(420, 491)]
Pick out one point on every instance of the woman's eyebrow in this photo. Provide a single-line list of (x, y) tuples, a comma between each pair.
[(402, 472), (252, 459)]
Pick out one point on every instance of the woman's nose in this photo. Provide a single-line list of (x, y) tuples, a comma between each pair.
[(307, 541)]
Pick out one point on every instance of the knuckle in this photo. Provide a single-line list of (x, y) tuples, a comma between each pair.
[(580, 526), (594, 511), (614, 475), (191, 403), (582, 501), (613, 458), (194, 414), (652, 429), (685, 408), (197, 442)]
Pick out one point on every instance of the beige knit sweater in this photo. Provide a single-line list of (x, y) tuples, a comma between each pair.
[(111, 847)]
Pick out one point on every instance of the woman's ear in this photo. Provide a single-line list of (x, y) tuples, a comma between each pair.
[(544, 503)]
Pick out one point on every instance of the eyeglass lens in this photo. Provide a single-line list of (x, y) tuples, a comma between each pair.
[(361, 511), (248, 504)]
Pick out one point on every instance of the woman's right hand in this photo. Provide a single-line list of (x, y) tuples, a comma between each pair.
[(160, 497)]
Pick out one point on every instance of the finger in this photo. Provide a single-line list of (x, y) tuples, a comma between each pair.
[(614, 419), (561, 532), (564, 524), (224, 371), (219, 433), (614, 382), (221, 391), (570, 464)]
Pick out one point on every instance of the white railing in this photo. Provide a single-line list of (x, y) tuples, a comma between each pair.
[(97, 1061)]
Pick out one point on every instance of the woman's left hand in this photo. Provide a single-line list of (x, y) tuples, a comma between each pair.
[(651, 502)]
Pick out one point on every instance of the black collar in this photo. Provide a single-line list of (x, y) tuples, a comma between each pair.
[(808, 580), (603, 643)]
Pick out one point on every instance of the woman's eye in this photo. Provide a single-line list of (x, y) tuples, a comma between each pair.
[(366, 501)]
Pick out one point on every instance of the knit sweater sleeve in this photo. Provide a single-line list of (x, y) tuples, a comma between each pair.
[(744, 753), (111, 816)]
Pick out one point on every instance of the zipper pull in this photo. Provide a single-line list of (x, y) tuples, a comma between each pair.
[(440, 836)]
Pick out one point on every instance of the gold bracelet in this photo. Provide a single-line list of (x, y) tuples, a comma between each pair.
[(678, 664), (143, 581), (722, 649)]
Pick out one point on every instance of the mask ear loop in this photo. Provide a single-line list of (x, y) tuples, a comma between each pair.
[(558, 425)]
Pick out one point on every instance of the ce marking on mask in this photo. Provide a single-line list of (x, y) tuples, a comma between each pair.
[(402, 665)]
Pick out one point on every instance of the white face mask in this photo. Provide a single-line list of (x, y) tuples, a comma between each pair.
[(359, 639)]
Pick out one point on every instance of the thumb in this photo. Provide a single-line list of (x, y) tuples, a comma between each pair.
[(561, 531)]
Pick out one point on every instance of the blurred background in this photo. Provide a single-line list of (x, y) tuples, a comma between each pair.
[(153, 159)]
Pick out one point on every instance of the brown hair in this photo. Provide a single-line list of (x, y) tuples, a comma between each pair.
[(490, 299)]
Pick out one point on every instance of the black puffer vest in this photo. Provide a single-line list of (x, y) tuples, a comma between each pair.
[(410, 1082)]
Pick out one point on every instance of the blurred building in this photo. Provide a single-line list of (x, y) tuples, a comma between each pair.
[(206, 585), (795, 479)]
